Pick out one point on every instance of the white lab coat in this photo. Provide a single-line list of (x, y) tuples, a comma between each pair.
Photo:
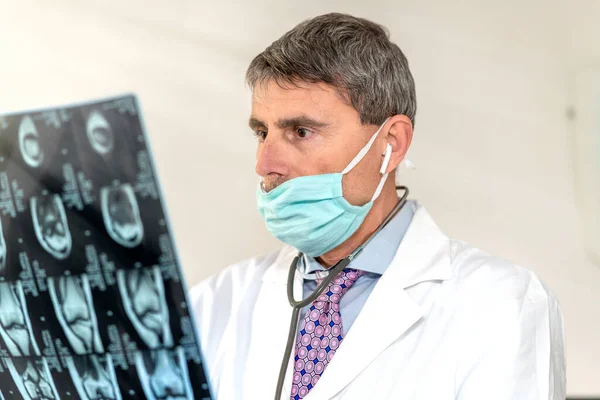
[(445, 321)]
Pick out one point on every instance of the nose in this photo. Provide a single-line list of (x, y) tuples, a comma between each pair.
[(271, 157)]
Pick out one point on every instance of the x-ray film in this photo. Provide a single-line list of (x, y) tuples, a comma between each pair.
[(92, 300)]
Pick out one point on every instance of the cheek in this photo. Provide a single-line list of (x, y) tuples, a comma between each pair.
[(360, 183), (315, 164), (327, 157), (312, 157)]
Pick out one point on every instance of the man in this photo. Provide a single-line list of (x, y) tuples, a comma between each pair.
[(415, 315)]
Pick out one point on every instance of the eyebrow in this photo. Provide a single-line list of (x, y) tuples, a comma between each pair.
[(256, 123), (300, 120)]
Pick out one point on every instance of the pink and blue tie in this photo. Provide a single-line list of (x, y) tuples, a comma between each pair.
[(320, 334)]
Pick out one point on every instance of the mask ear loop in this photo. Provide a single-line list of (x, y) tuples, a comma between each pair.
[(361, 154)]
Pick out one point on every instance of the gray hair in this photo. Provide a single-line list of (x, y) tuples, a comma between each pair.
[(352, 54)]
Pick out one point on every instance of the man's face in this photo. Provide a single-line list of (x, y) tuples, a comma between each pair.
[(309, 130)]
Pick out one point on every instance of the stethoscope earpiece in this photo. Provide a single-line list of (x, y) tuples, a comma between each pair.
[(386, 159)]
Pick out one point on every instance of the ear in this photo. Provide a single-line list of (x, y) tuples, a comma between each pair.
[(399, 136)]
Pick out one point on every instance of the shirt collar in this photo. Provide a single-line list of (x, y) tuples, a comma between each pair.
[(379, 252)]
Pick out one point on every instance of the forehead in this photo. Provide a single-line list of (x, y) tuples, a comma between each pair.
[(271, 100)]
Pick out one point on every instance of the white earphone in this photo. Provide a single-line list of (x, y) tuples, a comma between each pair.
[(386, 158)]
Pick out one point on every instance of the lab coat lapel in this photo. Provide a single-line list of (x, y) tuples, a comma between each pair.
[(270, 327), (389, 312)]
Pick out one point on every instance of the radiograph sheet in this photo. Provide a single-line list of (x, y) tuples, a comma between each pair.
[(92, 300)]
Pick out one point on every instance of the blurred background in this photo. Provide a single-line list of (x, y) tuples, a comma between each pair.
[(507, 140)]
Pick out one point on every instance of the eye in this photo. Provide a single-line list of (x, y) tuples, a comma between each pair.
[(261, 135), (303, 133)]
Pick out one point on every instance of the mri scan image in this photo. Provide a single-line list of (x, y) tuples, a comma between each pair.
[(99, 133), (29, 143), (72, 301), (33, 380), (143, 297), (93, 379), (92, 303), (3, 249), (164, 375), (50, 225), (15, 326), (121, 215)]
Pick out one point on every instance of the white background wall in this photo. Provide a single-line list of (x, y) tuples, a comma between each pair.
[(493, 146)]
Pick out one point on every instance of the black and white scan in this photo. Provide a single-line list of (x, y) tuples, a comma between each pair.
[(94, 379), (15, 326), (29, 143), (93, 304), (121, 215), (32, 379), (50, 225), (143, 297), (72, 302), (164, 375)]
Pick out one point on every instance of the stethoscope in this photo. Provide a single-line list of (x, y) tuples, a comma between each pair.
[(332, 273)]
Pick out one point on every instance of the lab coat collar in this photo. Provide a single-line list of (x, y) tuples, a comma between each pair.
[(423, 253)]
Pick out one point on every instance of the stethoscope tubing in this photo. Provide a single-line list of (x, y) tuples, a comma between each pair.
[(333, 272)]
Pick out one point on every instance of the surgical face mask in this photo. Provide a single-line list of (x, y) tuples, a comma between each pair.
[(310, 212)]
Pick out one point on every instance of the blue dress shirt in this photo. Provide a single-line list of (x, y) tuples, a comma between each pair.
[(374, 260)]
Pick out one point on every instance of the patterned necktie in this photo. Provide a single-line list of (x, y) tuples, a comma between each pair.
[(320, 334)]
